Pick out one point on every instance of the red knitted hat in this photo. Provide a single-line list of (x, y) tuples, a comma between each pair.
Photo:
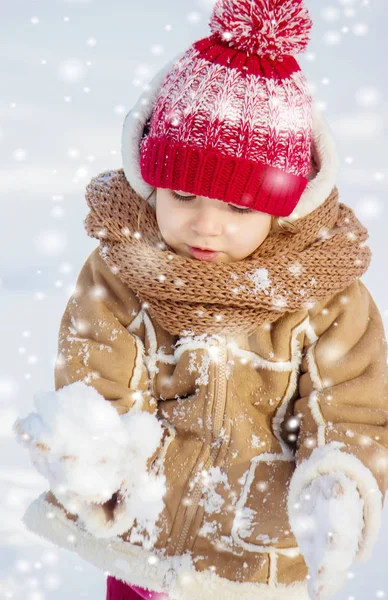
[(233, 118)]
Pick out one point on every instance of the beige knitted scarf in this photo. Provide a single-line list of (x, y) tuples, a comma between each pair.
[(185, 296)]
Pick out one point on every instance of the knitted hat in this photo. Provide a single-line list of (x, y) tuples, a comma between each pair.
[(233, 118)]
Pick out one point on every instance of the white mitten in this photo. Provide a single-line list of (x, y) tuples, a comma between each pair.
[(327, 523), (94, 459)]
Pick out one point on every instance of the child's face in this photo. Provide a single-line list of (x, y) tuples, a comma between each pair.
[(208, 223)]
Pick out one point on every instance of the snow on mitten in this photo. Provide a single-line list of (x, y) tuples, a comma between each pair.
[(94, 459), (327, 523)]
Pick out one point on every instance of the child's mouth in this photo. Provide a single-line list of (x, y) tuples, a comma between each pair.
[(202, 254)]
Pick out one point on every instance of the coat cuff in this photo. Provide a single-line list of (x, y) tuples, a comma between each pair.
[(329, 459)]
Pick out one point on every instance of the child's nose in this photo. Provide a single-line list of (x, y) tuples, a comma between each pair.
[(207, 222)]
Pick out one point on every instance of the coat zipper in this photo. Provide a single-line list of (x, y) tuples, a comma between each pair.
[(196, 495)]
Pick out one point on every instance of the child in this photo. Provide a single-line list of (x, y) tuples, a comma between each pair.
[(219, 425)]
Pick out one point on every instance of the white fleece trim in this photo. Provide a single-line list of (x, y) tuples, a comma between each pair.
[(327, 460), (138, 368), (313, 398), (159, 464), (273, 566), (167, 359), (136, 323), (310, 333), (323, 149), (150, 359), (237, 524), (296, 358), (280, 366), (175, 576), (185, 344), (325, 152), (133, 127)]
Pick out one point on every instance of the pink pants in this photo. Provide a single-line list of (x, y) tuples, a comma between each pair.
[(118, 590)]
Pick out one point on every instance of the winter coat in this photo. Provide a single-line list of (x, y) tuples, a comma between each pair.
[(230, 445), (231, 417)]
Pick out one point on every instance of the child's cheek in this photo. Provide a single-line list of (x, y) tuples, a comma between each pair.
[(232, 229)]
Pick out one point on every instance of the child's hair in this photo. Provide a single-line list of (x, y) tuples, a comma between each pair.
[(277, 223)]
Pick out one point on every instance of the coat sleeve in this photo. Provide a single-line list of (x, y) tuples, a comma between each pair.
[(342, 403), (95, 344), (100, 360)]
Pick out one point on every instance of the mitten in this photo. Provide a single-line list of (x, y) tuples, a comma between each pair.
[(327, 523), (96, 461)]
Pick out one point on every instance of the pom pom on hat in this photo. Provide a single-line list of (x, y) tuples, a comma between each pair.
[(269, 28)]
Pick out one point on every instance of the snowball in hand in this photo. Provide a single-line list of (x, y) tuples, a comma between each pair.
[(83, 446)]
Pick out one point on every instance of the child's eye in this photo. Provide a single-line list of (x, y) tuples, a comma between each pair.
[(240, 210), (188, 198), (183, 198)]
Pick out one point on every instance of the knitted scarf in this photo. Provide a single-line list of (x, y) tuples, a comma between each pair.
[(287, 272)]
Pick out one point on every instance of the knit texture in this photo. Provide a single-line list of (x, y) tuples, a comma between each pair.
[(189, 297), (233, 118)]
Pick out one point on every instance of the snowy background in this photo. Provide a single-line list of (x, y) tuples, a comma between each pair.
[(70, 72)]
